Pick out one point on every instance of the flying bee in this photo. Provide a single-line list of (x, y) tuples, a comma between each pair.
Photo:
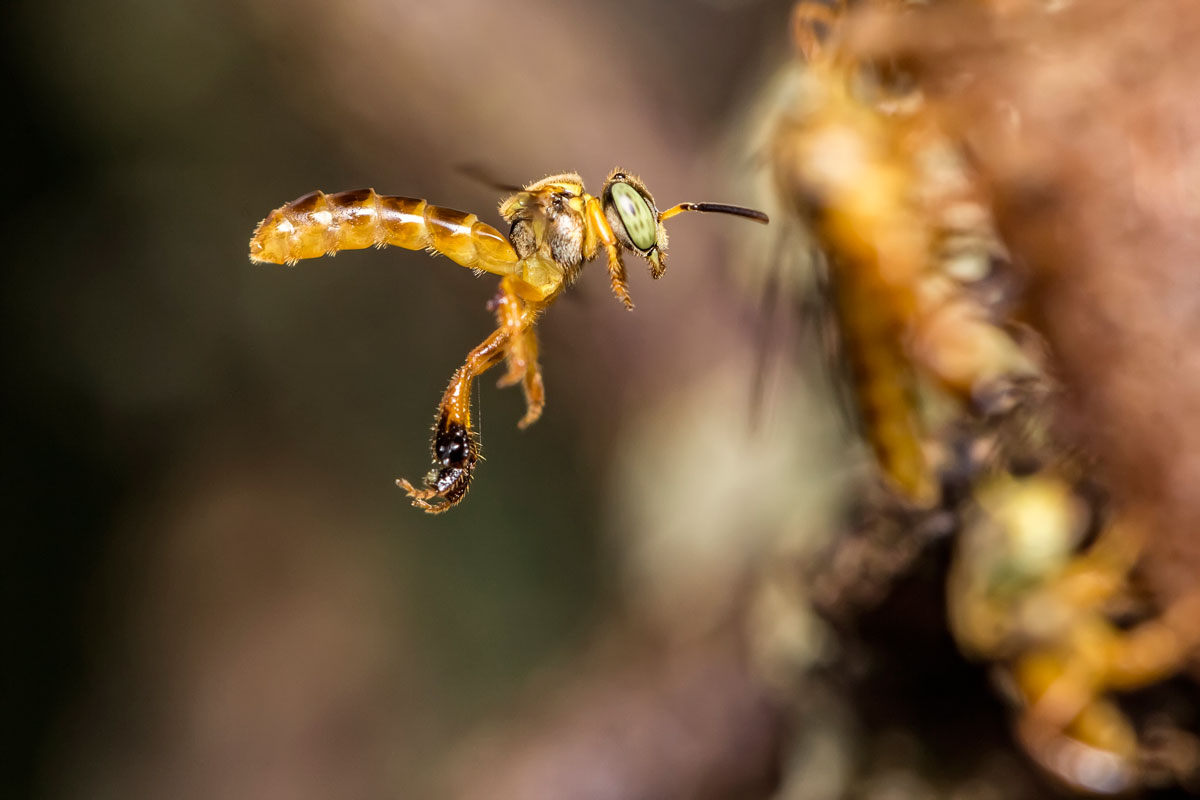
[(555, 227)]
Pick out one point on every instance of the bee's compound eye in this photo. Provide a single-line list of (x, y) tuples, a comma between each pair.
[(639, 220)]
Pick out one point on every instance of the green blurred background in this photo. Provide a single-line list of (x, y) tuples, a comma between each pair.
[(215, 589)]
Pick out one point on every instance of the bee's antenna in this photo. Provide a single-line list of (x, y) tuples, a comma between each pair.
[(715, 208)]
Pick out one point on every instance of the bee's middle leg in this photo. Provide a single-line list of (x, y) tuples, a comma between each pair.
[(517, 317)]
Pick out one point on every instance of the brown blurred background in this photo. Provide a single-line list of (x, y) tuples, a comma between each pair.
[(214, 587)]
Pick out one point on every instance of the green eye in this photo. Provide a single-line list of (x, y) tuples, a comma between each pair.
[(640, 222)]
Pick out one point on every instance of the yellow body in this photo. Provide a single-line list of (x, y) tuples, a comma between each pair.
[(555, 228), (320, 224)]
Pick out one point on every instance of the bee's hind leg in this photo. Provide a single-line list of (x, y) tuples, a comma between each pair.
[(455, 446)]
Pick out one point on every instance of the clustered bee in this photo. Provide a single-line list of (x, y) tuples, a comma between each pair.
[(954, 401), (555, 227)]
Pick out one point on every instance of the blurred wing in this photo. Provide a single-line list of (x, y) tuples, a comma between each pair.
[(484, 176), (817, 311)]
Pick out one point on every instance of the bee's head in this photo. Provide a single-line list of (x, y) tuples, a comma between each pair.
[(638, 224), (635, 219)]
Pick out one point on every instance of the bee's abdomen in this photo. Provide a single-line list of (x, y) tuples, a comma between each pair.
[(319, 224)]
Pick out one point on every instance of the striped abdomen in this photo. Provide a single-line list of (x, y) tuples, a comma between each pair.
[(320, 224)]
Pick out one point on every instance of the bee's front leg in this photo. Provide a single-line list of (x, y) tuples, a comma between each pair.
[(455, 446)]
